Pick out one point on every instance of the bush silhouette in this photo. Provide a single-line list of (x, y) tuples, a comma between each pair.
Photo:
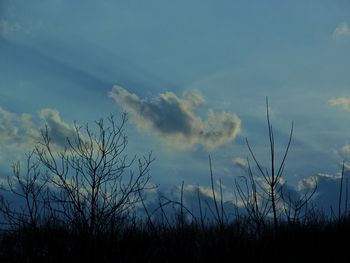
[(78, 204)]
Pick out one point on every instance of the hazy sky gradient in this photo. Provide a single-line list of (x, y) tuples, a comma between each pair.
[(61, 59)]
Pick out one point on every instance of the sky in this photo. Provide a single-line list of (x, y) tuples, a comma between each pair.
[(193, 76)]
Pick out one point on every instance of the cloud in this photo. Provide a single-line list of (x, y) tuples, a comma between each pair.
[(328, 187), (345, 151), (205, 193), (309, 182), (59, 130), (341, 31), (240, 162), (7, 27), (196, 199), (17, 130), (174, 120), (344, 154), (22, 131), (346, 167), (341, 102)]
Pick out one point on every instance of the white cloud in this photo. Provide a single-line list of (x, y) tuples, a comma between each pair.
[(341, 31), (341, 102), (17, 130), (174, 120), (59, 130), (22, 131), (196, 199), (347, 167), (344, 154), (345, 150), (308, 183), (205, 192), (328, 189), (240, 162)]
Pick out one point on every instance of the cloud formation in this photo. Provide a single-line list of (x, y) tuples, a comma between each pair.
[(23, 131), (341, 31), (197, 199), (341, 102), (59, 130), (174, 120), (17, 130), (328, 187)]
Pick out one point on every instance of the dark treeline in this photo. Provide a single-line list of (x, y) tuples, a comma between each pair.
[(77, 201)]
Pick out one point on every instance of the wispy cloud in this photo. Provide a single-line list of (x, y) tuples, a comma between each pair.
[(174, 120), (341, 31), (341, 102), (7, 26)]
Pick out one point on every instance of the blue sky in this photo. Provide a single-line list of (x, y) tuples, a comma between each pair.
[(202, 69)]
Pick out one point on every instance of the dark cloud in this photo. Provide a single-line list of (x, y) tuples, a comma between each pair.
[(174, 119)]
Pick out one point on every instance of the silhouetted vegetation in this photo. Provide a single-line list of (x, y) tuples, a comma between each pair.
[(78, 202)]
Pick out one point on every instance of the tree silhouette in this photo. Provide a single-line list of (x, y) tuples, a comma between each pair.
[(271, 178), (93, 185)]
